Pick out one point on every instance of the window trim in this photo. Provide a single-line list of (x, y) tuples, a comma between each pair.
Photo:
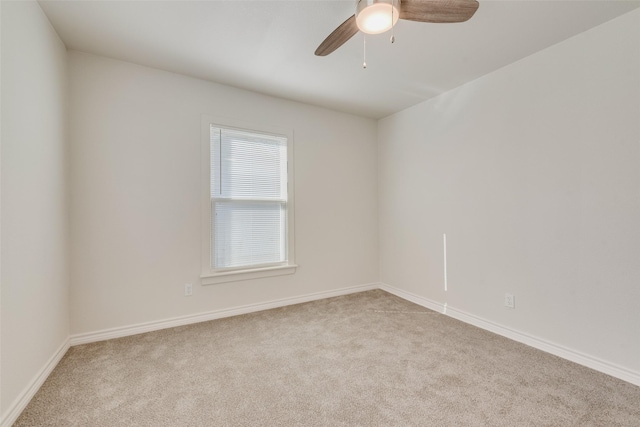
[(208, 275)]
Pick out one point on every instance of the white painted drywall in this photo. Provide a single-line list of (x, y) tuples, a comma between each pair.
[(533, 173), (35, 276), (135, 194)]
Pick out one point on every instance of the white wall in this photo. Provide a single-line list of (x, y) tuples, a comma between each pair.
[(34, 260), (533, 172), (135, 195)]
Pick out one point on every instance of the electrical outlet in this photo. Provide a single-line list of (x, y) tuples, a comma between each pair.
[(188, 290), (509, 300)]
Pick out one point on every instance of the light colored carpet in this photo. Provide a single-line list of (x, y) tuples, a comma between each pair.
[(368, 359)]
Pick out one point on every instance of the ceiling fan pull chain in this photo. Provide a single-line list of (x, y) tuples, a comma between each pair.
[(393, 4), (364, 50)]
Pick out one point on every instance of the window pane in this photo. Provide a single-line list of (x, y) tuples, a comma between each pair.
[(247, 165), (249, 233)]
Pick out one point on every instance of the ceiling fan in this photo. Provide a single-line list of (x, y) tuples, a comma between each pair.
[(378, 16)]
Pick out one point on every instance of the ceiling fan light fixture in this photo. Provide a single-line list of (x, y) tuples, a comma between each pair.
[(375, 16)]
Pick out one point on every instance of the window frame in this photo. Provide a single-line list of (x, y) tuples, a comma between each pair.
[(209, 275)]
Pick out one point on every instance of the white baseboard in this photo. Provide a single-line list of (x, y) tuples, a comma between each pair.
[(23, 399), (107, 334), (541, 344), (21, 402), (589, 361)]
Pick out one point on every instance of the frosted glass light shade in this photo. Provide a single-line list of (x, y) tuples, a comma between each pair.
[(375, 16)]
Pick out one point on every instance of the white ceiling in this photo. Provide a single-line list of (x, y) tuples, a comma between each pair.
[(267, 46)]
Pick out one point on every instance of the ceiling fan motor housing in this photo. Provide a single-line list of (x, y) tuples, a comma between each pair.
[(377, 16)]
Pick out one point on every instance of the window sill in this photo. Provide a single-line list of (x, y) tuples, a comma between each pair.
[(254, 273)]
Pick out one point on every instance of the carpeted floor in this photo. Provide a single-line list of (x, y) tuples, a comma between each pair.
[(367, 359)]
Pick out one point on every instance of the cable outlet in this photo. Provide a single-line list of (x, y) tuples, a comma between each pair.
[(188, 290), (509, 300)]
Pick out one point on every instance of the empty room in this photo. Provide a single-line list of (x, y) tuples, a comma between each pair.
[(320, 213)]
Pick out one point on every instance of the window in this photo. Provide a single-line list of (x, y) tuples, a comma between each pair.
[(248, 180)]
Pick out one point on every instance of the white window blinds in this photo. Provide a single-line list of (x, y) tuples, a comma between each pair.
[(248, 199)]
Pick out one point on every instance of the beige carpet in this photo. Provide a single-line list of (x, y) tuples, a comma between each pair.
[(367, 359)]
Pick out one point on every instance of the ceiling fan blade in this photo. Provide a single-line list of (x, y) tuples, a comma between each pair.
[(340, 35), (438, 10)]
